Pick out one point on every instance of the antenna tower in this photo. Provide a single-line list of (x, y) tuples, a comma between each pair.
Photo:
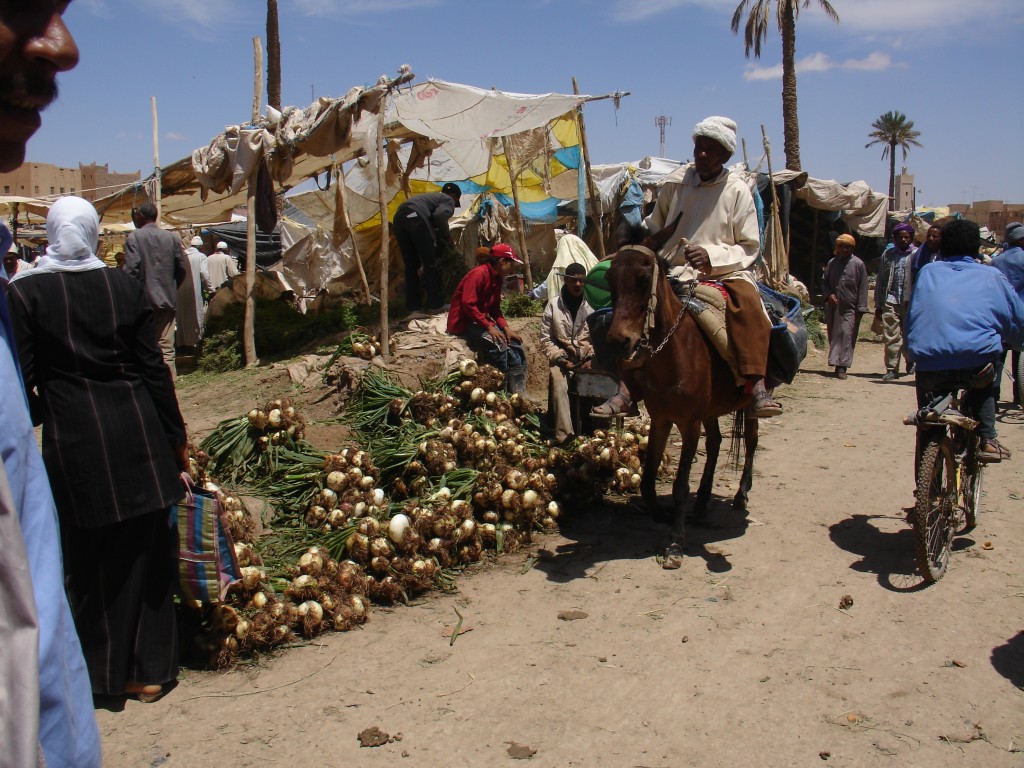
[(661, 121)]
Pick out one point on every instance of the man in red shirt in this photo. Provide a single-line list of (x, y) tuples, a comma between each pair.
[(475, 315)]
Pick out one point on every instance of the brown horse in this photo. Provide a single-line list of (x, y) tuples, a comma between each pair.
[(669, 361)]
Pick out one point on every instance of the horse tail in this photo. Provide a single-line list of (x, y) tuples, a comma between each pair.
[(736, 440)]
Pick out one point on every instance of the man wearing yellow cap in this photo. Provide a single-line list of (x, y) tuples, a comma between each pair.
[(846, 286)]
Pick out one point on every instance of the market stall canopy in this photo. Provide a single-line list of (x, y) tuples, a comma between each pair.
[(209, 184)]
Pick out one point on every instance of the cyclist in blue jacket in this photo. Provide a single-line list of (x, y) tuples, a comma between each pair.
[(962, 317)]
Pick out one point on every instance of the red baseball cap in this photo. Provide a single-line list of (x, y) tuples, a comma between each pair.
[(503, 251)]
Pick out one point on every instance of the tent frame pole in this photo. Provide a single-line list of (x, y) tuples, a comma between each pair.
[(249, 326), (595, 203), (341, 202), (523, 251), (385, 231)]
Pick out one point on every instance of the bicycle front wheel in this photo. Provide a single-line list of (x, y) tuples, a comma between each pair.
[(935, 511), (971, 492)]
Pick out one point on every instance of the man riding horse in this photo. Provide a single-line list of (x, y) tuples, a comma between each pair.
[(716, 238)]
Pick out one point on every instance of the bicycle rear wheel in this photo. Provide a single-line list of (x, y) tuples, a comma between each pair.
[(934, 513)]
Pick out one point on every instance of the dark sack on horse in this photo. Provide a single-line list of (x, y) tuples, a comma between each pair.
[(787, 347), (598, 323)]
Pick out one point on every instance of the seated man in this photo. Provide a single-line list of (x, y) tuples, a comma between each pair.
[(475, 315), (962, 317), (565, 339)]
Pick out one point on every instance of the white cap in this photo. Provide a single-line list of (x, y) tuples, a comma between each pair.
[(14, 249), (197, 241), (222, 246)]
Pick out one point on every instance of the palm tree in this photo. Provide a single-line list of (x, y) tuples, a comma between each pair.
[(273, 56), (892, 130), (755, 32)]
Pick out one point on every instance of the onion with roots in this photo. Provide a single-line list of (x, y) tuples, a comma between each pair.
[(397, 528), (468, 368)]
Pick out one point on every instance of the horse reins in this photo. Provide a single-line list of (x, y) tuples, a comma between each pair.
[(652, 305)]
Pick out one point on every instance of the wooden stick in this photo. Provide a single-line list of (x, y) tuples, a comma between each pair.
[(385, 232), (776, 275), (595, 203), (523, 252), (156, 157), (339, 201), (249, 326)]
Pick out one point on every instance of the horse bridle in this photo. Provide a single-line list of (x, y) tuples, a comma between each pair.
[(652, 306)]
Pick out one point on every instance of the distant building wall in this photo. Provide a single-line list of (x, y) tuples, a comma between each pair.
[(904, 191), (99, 180), (41, 180), (994, 214)]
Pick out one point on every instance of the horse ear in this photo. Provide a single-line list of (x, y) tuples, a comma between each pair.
[(659, 238), (621, 235)]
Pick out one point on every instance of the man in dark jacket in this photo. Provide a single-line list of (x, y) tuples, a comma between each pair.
[(421, 228), (156, 257)]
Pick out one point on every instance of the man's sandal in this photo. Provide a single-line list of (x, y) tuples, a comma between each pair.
[(991, 451), (765, 407), (616, 405)]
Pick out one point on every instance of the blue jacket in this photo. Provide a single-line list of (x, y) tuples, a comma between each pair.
[(1011, 263), (963, 315)]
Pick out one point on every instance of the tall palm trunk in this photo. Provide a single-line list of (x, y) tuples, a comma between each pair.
[(273, 56), (892, 175), (790, 121)]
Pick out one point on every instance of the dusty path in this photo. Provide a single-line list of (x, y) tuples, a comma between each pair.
[(742, 657)]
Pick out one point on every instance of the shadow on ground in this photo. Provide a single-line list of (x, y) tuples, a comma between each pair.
[(1008, 659), (622, 529)]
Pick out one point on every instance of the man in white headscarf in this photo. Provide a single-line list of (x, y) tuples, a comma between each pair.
[(221, 265), (717, 238), (191, 309)]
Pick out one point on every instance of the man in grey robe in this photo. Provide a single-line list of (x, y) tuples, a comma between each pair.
[(846, 286), (191, 308)]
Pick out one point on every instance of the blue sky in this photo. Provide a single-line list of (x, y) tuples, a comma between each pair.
[(953, 67)]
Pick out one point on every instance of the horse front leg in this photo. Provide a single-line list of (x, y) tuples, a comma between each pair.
[(712, 447), (657, 439), (680, 495), (750, 434)]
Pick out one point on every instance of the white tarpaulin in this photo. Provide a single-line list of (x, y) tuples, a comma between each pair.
[(863, 209)]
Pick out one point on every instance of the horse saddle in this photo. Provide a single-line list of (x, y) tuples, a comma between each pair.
[(707, 305)]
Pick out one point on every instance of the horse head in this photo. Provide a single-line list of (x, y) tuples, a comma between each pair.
[(633, 280)]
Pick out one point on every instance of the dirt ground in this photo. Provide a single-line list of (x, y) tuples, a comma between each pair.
[(584, 652)]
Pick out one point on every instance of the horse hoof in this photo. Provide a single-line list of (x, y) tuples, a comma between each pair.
[(740, 503), (673, 559)]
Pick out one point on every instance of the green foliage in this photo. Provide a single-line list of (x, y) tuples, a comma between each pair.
[(279, 329), (452, 266), (815, 328), (520, 305)]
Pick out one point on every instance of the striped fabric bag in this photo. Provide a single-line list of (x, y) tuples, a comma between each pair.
[(207, 564)]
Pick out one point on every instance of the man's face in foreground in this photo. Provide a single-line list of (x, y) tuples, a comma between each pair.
[(34, 46)]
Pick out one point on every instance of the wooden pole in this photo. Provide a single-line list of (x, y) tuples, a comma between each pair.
[(249, 327), (385, 232), (156, 158), (523, 251), (340, 202), (777, 271), (746, 163), (814, 255), (595, 203)]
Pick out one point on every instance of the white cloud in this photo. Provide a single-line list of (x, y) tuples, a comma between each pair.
[(205, 17), (877, 61), (359, 7), (175, 136), (856, 16)]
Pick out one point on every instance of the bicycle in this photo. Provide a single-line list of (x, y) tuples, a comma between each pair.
[(949, 475)]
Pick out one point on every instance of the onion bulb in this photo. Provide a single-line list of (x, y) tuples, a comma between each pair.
[(358, 605), (397, 528), (490, 398), (553, 509), (274, 418), (467, 368), (260, 600), (251, 577), (377, 496), (336, 480), (477, 395), (530, 498)]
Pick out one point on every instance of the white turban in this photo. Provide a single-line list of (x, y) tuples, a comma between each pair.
[(720, 129), (197, 241)]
